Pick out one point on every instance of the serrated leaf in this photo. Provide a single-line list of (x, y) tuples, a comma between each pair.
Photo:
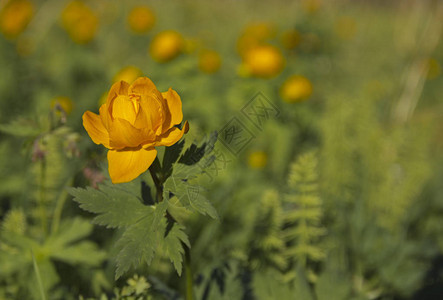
[(190, 195), (140, 240), (115, 207), (173, 248), (195, 153), (171, 155)]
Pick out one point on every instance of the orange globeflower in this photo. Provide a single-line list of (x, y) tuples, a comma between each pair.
[(15, 16), (134, 120), (141, 19)]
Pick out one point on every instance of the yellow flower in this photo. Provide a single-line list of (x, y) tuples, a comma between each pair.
[(290, 39), (257, 160), (15, 16), (296, 89), (434, 69), (166, 46), (80, 22), (264, 61), (128, 74), (134, 120), (311, 6), (141, 19), (209, 61), (62, 102), (253, 35)]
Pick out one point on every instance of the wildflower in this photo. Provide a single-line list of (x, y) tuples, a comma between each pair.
[(311, 6), (264, 61), (62, 103), (80, 22), (141, 19), (253, 35), (209, 61), (296, 89), (128, 74), (166, 46), (15, 17), (257, 160), (134, 120)]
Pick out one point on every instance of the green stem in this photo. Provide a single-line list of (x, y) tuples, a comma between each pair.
[(189, 276), (156, 180), (42, 207), (39, 278), (154, 170), (58, 210)]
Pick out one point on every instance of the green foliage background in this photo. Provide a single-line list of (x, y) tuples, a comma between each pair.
[(349, 204)]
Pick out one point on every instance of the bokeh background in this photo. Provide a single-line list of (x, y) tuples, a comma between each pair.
[(338, 194)]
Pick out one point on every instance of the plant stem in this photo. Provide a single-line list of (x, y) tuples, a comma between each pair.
[(41, 201), (58, 210), (157, 182), (154, 170), (39, 278)]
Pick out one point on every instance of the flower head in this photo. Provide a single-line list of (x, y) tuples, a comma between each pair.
[(264, 61), (15, 16), (296, 88), (141, 19), (80, 22), (166, 46), (134, 120)]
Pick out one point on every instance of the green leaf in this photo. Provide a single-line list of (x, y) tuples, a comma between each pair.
[(195, 153), (140, 240), (184, 180), (22, 128), (171, 155), (173, 247), (81, 253), (115, 207)]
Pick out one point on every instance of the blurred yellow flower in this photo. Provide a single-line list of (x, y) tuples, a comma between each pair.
[(257, 160), (253, 35), (209, 61), (290, 39), (434, 69), (296, 89), (166, 45), (80, 22), (15, 16), (134, 120), (311, 6), (64, 103), (141, 19), (345, 27), (128, 74), (264, 61)]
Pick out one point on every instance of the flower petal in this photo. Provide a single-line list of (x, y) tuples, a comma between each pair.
[(105, 116), (95, 128), (174, 105), (151, 112), (118, 88), (126, 165), (142, 86), (123, 108), (123, 135), (172, 136)]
